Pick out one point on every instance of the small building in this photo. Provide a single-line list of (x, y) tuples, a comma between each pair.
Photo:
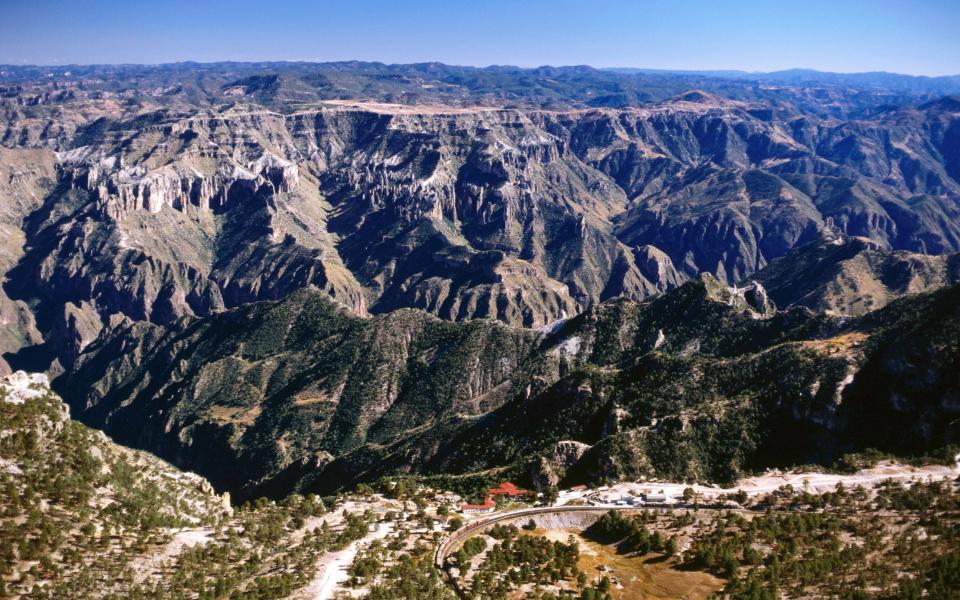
[(488, 506), (655, 498), (579, 488)]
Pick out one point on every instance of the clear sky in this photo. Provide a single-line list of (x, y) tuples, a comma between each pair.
[(906, 36)]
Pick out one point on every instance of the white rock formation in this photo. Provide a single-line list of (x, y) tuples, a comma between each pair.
[(21, 386)]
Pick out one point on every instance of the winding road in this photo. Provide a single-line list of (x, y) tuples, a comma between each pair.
[(446, 547)]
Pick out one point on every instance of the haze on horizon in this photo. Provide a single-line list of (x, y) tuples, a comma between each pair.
[(917, 38)]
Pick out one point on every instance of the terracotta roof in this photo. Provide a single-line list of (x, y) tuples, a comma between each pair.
[(507, 489), (487, 503)]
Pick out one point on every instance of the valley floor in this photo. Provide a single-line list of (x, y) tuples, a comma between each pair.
[(637, 577)]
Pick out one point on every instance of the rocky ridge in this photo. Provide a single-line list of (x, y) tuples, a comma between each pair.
[(516, 215), (705, 382), (853, 276), (65, 484), (611, 239)]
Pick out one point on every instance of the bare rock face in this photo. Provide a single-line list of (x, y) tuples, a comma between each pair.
[(750, 298), (20, 386), (164, 209), (611, 424), (26, 175), (566, 453), (656, 266), (117, 189), (75, 330), (756, 296), (543, 475)]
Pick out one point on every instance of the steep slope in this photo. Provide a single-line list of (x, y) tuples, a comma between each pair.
[(703, 382), (25, 178), (518, 215), (853, 276), (274, 386), (79, 512), (712, 407), (84, 518)]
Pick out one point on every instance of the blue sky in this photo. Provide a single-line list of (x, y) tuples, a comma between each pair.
[(910, 36)]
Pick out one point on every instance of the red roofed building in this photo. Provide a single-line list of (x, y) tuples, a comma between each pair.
[(507, 489), (504, 489), (488, 506)]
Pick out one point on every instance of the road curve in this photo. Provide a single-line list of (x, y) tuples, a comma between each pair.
[(446, 546)]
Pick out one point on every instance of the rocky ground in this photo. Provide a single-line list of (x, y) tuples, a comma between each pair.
[(82, 517), (754, 488)]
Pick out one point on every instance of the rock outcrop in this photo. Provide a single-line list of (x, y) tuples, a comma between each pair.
[(566, 453)]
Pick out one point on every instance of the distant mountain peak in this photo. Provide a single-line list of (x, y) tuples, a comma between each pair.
[(945, 104), (701, 97)]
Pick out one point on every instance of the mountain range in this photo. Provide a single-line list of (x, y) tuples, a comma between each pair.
[(290, 276)]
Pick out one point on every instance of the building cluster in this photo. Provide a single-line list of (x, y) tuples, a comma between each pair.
[(489, 505), (643, 499)]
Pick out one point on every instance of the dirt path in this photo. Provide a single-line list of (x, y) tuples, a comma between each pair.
[(332, 568)]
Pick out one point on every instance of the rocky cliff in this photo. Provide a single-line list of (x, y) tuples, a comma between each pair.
[(464, 268), (517, 215), (853, 276), (25, 178)]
